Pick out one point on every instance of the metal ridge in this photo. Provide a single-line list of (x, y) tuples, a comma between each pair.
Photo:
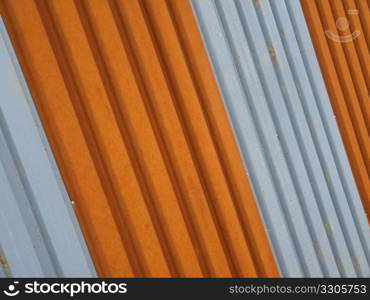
[(273, 90), (39, 234)]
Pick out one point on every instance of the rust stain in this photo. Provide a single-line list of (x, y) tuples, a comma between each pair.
[(4, 265), (328, 228), (344, 60), (356, 264), (273, 55), (2, 260), (132, 111), (257, 4), (320, 254), (340, 267)]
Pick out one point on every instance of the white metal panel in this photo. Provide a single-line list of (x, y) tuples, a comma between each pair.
[(272, 88)]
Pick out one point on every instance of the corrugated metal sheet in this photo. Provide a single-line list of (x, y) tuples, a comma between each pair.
[(136, 123), (39, 235), (340, 33), (271, 85)]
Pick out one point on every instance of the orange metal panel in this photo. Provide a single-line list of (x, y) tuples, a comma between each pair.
[(138, 128), (340, 33)]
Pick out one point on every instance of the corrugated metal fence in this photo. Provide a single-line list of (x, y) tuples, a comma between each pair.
[(135, 120), (272, 87), (141, 135)]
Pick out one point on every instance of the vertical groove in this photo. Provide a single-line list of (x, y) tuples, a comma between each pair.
[(329, 202), (272, 88), (360, 43), (61, 54), (220, 154), (288, 97), (354, 68), (342, 71), (364, 18), (51, 135), (45, 213), (127, 137), (187, 134), (357, 54), (216, 136), (134, 62), (346, 81), (141, 136)]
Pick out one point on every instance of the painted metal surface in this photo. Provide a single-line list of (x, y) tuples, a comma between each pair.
[(340, 34), (133, 115), (39, 236), (273, 90)]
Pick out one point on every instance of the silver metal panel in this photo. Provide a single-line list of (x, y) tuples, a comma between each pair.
[(271, 84), (39, 233)]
